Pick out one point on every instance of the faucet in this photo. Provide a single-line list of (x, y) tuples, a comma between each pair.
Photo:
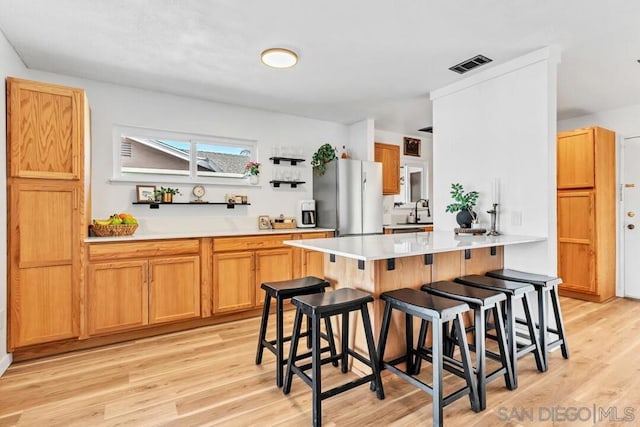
[(425, 204)]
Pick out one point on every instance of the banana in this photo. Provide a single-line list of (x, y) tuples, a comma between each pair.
[(102, 221)]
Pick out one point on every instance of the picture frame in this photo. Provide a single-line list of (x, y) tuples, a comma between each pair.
[(412, 146), (263, 222), (146, 193)]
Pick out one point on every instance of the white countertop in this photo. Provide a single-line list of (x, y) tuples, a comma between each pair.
[(185, 234), (386, 246)]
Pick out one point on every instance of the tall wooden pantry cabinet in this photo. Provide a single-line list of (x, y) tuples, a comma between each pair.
[(586, 199), (48, 209)]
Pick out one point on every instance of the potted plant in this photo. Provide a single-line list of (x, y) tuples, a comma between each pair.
[(463, 204), (166, 194), (252, 169), (325, 154)]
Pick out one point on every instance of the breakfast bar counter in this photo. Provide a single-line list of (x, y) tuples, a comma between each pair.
[(380, 263)]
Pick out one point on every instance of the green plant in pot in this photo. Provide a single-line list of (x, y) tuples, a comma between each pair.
[(325, 154), (463, 204), (166, 194)]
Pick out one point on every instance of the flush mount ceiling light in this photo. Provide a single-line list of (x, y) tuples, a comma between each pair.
[(279, 57)]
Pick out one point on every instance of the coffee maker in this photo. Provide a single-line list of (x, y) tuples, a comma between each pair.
[(306, 214)]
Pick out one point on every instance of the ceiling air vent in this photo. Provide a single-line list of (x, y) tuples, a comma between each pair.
[(470, 64)]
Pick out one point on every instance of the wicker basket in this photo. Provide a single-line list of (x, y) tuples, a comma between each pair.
[(114, 230)]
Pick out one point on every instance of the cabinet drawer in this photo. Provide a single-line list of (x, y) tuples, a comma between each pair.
[(252, 242), (111, 251), (314, 235)]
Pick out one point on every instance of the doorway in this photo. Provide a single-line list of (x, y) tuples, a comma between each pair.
[(631, 216)]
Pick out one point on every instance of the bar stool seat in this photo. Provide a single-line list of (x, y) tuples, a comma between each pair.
[(481, 301), (437, 311), (545, 286), (322, 306), (514, 291), (281, 291)]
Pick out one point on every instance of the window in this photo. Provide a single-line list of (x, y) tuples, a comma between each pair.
[(153, 155)]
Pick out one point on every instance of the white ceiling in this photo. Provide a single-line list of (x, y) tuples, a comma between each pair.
[(358, 58)]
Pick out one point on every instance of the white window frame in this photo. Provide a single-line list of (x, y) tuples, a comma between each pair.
[(193, 138)]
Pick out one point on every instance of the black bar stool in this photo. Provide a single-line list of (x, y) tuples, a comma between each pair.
[(481, 301), (437, 311), (322, 306), (282, 291), (545, 285), (513, 291)]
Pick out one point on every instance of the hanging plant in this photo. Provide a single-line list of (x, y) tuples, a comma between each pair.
[(325, 154)]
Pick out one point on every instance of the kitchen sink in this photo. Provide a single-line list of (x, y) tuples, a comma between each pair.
[(415, 223)]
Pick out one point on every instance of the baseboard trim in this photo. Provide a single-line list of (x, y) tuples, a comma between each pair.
[(5, 362)]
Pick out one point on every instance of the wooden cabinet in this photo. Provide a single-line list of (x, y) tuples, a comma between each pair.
[(586, 201), (272, 265), (174, 288), (143, 284), (389, 156), (47, 172), (117, 296), (306, 262), (242, 264), (233, 282)]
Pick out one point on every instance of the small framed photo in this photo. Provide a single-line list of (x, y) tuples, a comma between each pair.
[(411, 146), (146, 193), (263, 222)]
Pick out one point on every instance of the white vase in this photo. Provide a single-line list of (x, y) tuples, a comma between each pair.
[(254, 179)]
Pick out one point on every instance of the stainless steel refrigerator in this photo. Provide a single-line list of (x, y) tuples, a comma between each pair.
[(349, 197)]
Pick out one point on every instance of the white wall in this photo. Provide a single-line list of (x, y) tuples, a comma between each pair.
[(10, 65), (623, 121), (500, 124), (111, 105)]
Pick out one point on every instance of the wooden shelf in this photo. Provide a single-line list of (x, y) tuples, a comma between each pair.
[(154, 205), (293, 161), (293, 184)]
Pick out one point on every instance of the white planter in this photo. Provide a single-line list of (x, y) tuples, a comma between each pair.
[(254, 179)]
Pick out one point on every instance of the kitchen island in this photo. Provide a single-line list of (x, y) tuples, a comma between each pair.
[(380, 263)]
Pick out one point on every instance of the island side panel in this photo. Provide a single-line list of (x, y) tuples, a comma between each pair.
[(376, 278)]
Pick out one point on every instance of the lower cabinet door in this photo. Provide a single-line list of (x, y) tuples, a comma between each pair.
[(272, 265), (117, 296), (43, 306), (233, 282), (174, 288), (313, 263)]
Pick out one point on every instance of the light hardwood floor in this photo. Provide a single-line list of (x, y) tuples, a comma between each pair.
[(207, 376)]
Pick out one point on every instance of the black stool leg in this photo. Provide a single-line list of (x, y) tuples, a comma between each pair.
[(373, 358), (422, 337), (295, 337), (542, 324), (532, 333), (510, 329), (279, 342), (458, 323), (316, 383), (555, 301), (384, 332), (502, 345), (437, 363), (330, 339), (479, 335), (263, 327), (408, 330), (344, 345)]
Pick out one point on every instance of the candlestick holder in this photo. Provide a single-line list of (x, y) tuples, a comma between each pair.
[(494, 217)]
